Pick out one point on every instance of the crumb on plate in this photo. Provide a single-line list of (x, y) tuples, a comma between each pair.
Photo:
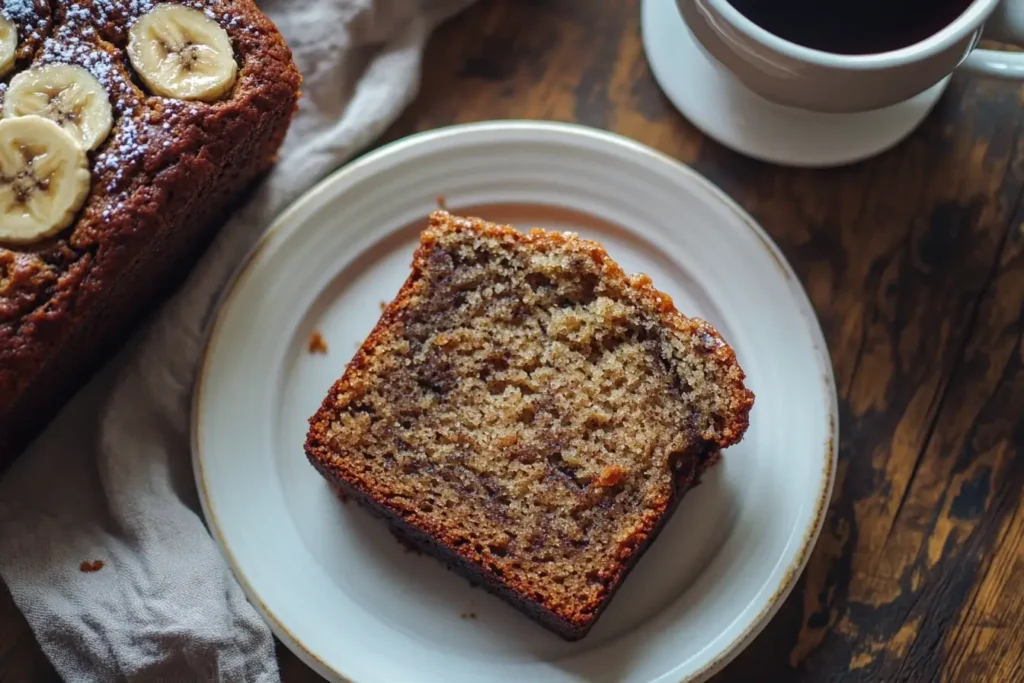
[(317, 343)]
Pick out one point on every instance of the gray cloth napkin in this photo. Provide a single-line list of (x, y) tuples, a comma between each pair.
[(111, 479)]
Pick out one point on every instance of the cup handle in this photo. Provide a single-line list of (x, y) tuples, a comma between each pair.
[(1006, 25)]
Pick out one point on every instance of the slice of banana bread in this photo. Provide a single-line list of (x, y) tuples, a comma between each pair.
[(529, 414)]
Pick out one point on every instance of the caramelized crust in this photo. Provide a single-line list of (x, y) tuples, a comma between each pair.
[(163, 182), (529, 414)]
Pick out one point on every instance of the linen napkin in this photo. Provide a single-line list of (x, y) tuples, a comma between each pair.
[(111, 482)]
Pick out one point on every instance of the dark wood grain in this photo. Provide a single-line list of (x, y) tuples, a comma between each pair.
[(914, 261)]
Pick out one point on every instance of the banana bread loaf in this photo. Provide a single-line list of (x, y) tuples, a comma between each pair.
[(529, 414), (129, 129)]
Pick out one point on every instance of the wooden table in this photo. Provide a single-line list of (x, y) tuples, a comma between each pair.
[(915, 263)]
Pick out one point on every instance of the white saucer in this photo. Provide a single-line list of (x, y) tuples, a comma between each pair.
[(331, 581), (726, 110)]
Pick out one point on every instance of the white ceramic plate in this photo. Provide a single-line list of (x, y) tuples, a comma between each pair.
[(333, 583)]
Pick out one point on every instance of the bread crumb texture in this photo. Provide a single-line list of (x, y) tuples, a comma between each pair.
[(530, 406)]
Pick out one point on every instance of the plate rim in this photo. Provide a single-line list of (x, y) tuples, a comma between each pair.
[(792, 572)]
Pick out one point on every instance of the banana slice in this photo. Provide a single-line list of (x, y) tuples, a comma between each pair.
[(8, 44), (44, 179), (66, 94), (180, 52)]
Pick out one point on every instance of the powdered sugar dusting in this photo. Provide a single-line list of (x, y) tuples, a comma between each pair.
[(116, 17), (225, 18), (70, 49), (82, 49), (119, 160), (120, 12), (105, 11), (27, 15), (136, 138), (22, 11)]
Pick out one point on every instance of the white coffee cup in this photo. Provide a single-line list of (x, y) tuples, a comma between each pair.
[(793, 75)]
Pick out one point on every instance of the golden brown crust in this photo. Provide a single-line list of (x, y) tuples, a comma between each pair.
[(164, 180), (570, 616)]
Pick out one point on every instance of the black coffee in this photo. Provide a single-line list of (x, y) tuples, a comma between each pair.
[(852, 27)]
